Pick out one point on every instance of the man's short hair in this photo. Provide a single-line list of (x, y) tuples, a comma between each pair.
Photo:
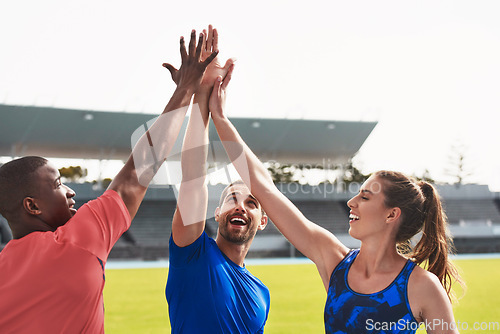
[(16, 182), (226, 190)]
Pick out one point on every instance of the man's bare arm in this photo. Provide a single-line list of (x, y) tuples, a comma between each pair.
[(154, 146), (192, 201)]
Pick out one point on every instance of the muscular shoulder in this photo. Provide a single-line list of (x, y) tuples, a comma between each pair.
[(422, 279), (425, 292)]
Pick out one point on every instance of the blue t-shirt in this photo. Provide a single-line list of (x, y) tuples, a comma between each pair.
[(208, 293), (386, 311)]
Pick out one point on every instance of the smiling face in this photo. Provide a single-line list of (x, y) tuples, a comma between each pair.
[(239, 215), (369, 216), (53, 203)]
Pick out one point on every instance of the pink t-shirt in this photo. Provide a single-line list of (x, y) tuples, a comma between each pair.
[(52, 282)]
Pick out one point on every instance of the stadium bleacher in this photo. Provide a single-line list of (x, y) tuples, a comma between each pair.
[(329, 214), (473, 213), (471, 210)]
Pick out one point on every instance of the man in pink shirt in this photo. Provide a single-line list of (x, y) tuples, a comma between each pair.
[(52, 272)]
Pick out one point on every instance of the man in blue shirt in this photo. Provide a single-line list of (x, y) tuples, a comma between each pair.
[(209, 290)]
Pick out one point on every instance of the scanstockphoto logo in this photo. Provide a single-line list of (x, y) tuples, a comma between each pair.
[(431, 326), (157, 152)]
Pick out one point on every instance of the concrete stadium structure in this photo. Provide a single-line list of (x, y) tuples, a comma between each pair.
[(473, 211)]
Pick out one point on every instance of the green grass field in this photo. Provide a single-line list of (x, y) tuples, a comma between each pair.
[(135, 300)]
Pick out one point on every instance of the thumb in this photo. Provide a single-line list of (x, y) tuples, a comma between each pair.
[(214, 96), (217, 84), (227, 78), (228, 64), (216, 89), (169, 67)]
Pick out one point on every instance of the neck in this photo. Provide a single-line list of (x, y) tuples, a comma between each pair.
[(378, 255), (24, 227), (235, 252)]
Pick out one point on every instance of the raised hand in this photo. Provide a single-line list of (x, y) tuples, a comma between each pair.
[(217, 100), (215, 68), (193, 67)]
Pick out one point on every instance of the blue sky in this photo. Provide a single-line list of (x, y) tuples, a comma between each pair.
[(427, 71)]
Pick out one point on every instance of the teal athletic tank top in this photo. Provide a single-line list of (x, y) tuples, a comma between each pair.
[(386, 311)]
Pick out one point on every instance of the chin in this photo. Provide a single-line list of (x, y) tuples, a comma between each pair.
[(352, 234)]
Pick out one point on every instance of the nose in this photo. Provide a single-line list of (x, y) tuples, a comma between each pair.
[(351, 202), (240, 206), (69, 192)]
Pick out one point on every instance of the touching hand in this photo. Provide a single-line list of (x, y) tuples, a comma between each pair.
[(215, 68), (217, 100), (193, 67)]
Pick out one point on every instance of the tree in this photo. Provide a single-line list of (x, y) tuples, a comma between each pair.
[(282, 173), (459, 167), (351, 174), (425, 177), (73, 173), (343, 174)]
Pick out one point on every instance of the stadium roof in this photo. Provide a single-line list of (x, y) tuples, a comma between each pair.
[(85, 134)]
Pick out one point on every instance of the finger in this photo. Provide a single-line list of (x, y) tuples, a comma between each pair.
[(169, 67), (210, 58), (205, 42), (201, 41), (183, 49), (226, 67), (192, 42), (228, 64), (217, 83), (209, 38), (215, 41), (215, 89), (228, 77)]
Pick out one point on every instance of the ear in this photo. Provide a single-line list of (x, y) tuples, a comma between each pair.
[(393, 215), (217, 214), (263, 222), (31, 207)]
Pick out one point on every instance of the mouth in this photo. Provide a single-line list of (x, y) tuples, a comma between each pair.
[(72, 208), (238, 220), (353, 218)]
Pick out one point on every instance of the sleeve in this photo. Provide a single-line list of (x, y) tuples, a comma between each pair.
[(183, 256), (97, 225)]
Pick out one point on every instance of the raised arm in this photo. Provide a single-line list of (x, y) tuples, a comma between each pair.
[(154, 146), (192, 201), (322, 247)]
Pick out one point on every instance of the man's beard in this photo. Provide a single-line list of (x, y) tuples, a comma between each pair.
[(240, 238)]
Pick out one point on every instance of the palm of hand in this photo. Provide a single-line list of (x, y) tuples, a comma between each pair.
[(214, 69)]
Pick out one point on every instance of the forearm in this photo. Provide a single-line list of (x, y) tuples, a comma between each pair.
[(156, 142), (195, 144), (192, 201), (309, 238), (248, 165), (154, 146), (193, 193), (151, 150)]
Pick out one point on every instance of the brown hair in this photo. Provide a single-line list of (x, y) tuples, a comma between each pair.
[(421, 211)]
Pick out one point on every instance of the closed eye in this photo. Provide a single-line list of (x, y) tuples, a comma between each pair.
[(231, 199)]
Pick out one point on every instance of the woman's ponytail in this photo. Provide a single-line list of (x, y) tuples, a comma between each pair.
[(435, 244), (421, 211)]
